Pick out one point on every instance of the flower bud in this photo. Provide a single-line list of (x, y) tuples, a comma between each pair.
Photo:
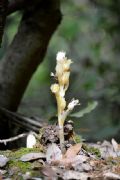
[(54, 88), (65, 78), (59, 70), (60, 56), (66, 65), (73, 103)]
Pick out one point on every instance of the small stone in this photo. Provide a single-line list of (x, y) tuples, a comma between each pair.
[(3, 160)]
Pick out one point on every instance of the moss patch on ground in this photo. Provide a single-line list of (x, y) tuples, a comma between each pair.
[(19, 166), (18, 153), (92, 150), (15, 165)]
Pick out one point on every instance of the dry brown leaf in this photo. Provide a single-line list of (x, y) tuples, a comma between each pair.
[(1, 176), (71, 161), (75, 175), (48, 171), (70, 156), (73, 151), (66, 162), (110, 175)]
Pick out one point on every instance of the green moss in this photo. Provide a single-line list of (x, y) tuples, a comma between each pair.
[(19, 166), (77, 138), (22, 151), (5, 153), (92, 150), (18, 153), (15, 164)]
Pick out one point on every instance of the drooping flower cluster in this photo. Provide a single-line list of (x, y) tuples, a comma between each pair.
[(62, 74)]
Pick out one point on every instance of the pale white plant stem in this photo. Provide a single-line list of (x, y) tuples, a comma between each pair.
[(59, 89)]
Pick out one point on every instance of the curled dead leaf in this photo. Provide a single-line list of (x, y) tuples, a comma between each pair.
[(73, 151)]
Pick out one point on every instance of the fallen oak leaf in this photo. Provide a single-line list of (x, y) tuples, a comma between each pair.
[(48, 171), (70, 157), (73, 151)]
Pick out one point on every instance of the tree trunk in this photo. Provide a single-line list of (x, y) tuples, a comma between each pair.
[(40, 19)]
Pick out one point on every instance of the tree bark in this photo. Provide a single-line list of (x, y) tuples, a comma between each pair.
[(40, 19)]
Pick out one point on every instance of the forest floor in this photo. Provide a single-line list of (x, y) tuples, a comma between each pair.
[(81, 160)]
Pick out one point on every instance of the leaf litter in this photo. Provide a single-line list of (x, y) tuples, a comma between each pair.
[(99, 160), (83, 161)]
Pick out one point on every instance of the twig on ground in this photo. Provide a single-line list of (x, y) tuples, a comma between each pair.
[(5, 141)]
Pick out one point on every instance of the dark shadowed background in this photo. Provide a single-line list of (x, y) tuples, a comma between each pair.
[(89, 33)]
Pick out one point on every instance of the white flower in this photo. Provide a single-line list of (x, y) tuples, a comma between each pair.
[(52, 74), (31, 141), (73, 103), (60, 56)]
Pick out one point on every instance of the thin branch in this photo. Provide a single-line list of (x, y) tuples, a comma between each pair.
[(5, 141), (22, 121)]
